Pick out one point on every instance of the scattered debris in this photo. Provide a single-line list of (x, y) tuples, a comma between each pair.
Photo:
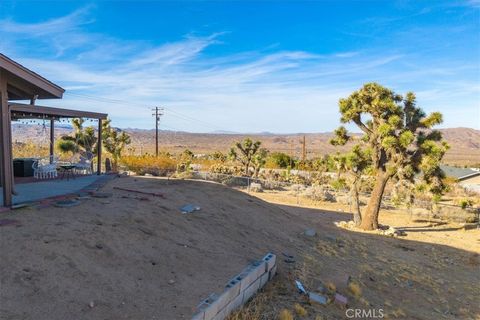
[(289, 260), (99, 246), (310, 233), (385, 230), (8, 222), (317, 298), (300, 287), (142, 192), (189, 208), (91, 304), (341, 300), (67, 203), (286, 255), (171, 281), (146, 231)]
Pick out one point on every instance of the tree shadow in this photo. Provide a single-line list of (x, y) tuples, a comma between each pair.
[(391, 269)]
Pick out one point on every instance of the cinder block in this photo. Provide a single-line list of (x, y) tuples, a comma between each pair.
[(251, 290), (233, 305), (270, 260), (251, 274), (233, 286), (264, 279), (232, 290), (210, 306), (272, 272), (199, 315)]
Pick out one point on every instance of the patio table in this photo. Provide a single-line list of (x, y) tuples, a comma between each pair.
[(67, 171)]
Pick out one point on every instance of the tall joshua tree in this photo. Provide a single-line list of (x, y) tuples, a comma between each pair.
[(114, 141), (83, 140), (355, 162), (399, 138), (247, 149)]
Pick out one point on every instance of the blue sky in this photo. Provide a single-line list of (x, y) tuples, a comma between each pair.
[(248, 66)]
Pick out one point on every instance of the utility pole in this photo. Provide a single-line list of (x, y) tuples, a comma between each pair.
[(158, 113), (304, 150)]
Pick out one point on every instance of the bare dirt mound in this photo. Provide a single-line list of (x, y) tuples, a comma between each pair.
[(133, 256)]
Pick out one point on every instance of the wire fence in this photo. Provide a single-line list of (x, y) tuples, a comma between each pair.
[(325, 193)]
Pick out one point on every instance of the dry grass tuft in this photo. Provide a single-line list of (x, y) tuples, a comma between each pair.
[(331, 286), (299, 310), (285, 315), (355, 289)]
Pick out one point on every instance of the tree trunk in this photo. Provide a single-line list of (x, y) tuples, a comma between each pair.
[(370, 218), (357, 215)]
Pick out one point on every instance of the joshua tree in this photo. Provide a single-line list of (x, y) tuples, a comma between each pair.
[(259, 160), (399, 138), (247, 149), (83, 140), (114, 141)]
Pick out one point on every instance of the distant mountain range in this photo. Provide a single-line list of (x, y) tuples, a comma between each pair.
[(464, 142)]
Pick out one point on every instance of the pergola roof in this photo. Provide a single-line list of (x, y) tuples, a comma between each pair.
[(27, 111), (24, 84)]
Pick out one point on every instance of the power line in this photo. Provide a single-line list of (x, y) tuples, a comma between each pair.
[(176, 114)]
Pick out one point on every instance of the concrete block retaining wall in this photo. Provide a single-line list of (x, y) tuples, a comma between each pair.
[(238, 290)]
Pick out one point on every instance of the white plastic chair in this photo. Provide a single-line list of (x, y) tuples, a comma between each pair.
[(83, 166), (45, 168)]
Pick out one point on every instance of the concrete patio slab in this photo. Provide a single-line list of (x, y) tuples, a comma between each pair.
[(34, 191)]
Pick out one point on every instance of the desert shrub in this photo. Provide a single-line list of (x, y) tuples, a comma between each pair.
[(224, 169), (147, 164), (279, 160), (233, 181), (29, 149), (339, 184), (465, 203), (319, 193)]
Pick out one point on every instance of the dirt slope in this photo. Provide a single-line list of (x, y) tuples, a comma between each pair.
[(125, 257)]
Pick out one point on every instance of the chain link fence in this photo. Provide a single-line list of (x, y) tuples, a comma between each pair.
[(325, 193)]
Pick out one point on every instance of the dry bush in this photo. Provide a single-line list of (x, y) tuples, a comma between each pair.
[(355, 289), (29, 149), (299, 310), (285, 315), (157, 166)]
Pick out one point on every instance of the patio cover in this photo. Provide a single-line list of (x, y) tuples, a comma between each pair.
[(20, 83)]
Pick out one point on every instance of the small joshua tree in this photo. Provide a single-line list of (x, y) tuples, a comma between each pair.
[(244, 152), (398, 136), (83, 140), (259, 160), (114, 141)]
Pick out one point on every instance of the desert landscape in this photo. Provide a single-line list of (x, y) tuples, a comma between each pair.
[(233, 160), (131, 256), (464, 142)]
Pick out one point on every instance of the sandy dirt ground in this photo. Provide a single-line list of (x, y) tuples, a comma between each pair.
[(131, 256)]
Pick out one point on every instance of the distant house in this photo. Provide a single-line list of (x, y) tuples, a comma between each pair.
[(469, 178)]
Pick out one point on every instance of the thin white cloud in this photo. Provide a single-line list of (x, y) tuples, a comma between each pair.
[(249, 91)]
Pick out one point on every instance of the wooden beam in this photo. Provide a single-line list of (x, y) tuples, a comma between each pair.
[(58, 112), (48, 89), (99, 148), (52, 139), (5, 144)]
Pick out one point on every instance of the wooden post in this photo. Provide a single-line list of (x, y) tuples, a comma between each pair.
[(6, 166), (52, 138), (99, 148)]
